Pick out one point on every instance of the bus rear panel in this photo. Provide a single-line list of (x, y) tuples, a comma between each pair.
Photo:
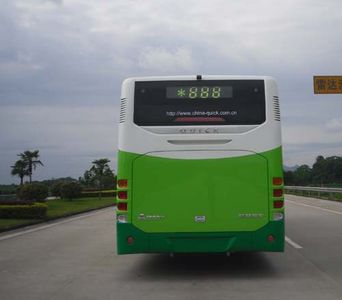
[(199, 165)]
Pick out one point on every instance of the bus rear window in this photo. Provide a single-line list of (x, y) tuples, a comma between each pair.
[(205, 102)]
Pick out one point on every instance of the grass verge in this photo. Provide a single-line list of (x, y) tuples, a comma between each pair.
[(61, 208), (7, 224), (58, 209)]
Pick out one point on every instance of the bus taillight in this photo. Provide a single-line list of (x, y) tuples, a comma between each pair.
[(122, 206), (277, 192), (122, 195), (278, 204), (122, 183), (277, 181)]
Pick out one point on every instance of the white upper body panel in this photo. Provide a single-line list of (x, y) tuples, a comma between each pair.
[(211, 141)]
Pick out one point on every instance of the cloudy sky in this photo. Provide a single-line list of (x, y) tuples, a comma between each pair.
[(62, 63)]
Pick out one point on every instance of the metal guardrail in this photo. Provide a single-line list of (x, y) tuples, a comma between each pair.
[(314, 189)]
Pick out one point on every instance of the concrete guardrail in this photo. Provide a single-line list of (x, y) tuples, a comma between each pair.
[(313, 189)]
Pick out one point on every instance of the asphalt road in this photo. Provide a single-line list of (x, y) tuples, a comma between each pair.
[(75, 259)]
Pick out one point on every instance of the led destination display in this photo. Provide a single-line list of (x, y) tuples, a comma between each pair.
[(199, 92), (205, 102)]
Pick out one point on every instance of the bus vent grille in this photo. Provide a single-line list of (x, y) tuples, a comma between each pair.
[(276, 108), (123, 110)]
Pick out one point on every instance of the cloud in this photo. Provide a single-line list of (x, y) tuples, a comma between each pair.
[(65, 135), (303, 143), (79, 47), (57, 55), (307, 153), (334, 125), (307, 134), (163, 61)]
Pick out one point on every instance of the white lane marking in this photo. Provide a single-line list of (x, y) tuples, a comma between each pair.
[(316, 207), (12, 235), (292, 243)]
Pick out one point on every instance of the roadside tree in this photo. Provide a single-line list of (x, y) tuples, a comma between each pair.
[(99, 176), (20, 169), (31, 159), (70, 190)]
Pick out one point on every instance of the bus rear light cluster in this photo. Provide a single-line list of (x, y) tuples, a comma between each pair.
[(277, 193), (122, 183), (122, 206), (122, 195), (278, 189)]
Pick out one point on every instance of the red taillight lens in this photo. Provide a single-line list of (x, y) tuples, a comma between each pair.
[(122, 195), (277, 192), (122, 183), (122, 206), (277, 181), (278, 204)]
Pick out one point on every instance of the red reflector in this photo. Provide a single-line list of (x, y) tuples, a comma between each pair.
[(277, 192), (122, 183), (277, 181), (122, 206), (130, 240), (122, 194), (271, 238), (278, 204)]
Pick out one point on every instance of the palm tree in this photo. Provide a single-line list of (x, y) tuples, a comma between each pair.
[(31, 160), (99, 170), (100, 166), (20, 169)]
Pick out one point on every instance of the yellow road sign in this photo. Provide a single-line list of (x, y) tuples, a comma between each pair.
[(328, 84)]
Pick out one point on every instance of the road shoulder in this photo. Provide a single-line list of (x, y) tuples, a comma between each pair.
[(315, 202)]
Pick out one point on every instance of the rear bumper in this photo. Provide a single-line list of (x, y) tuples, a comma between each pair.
[(205, 242)]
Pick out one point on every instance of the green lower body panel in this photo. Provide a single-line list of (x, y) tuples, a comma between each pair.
[(209, 242)]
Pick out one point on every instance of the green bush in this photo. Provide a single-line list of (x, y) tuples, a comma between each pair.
[(71, 190), (33, 192), (32, 211), (14, 201), (56, 188)]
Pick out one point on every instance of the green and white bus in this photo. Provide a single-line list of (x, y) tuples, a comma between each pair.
[(200, 165)]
